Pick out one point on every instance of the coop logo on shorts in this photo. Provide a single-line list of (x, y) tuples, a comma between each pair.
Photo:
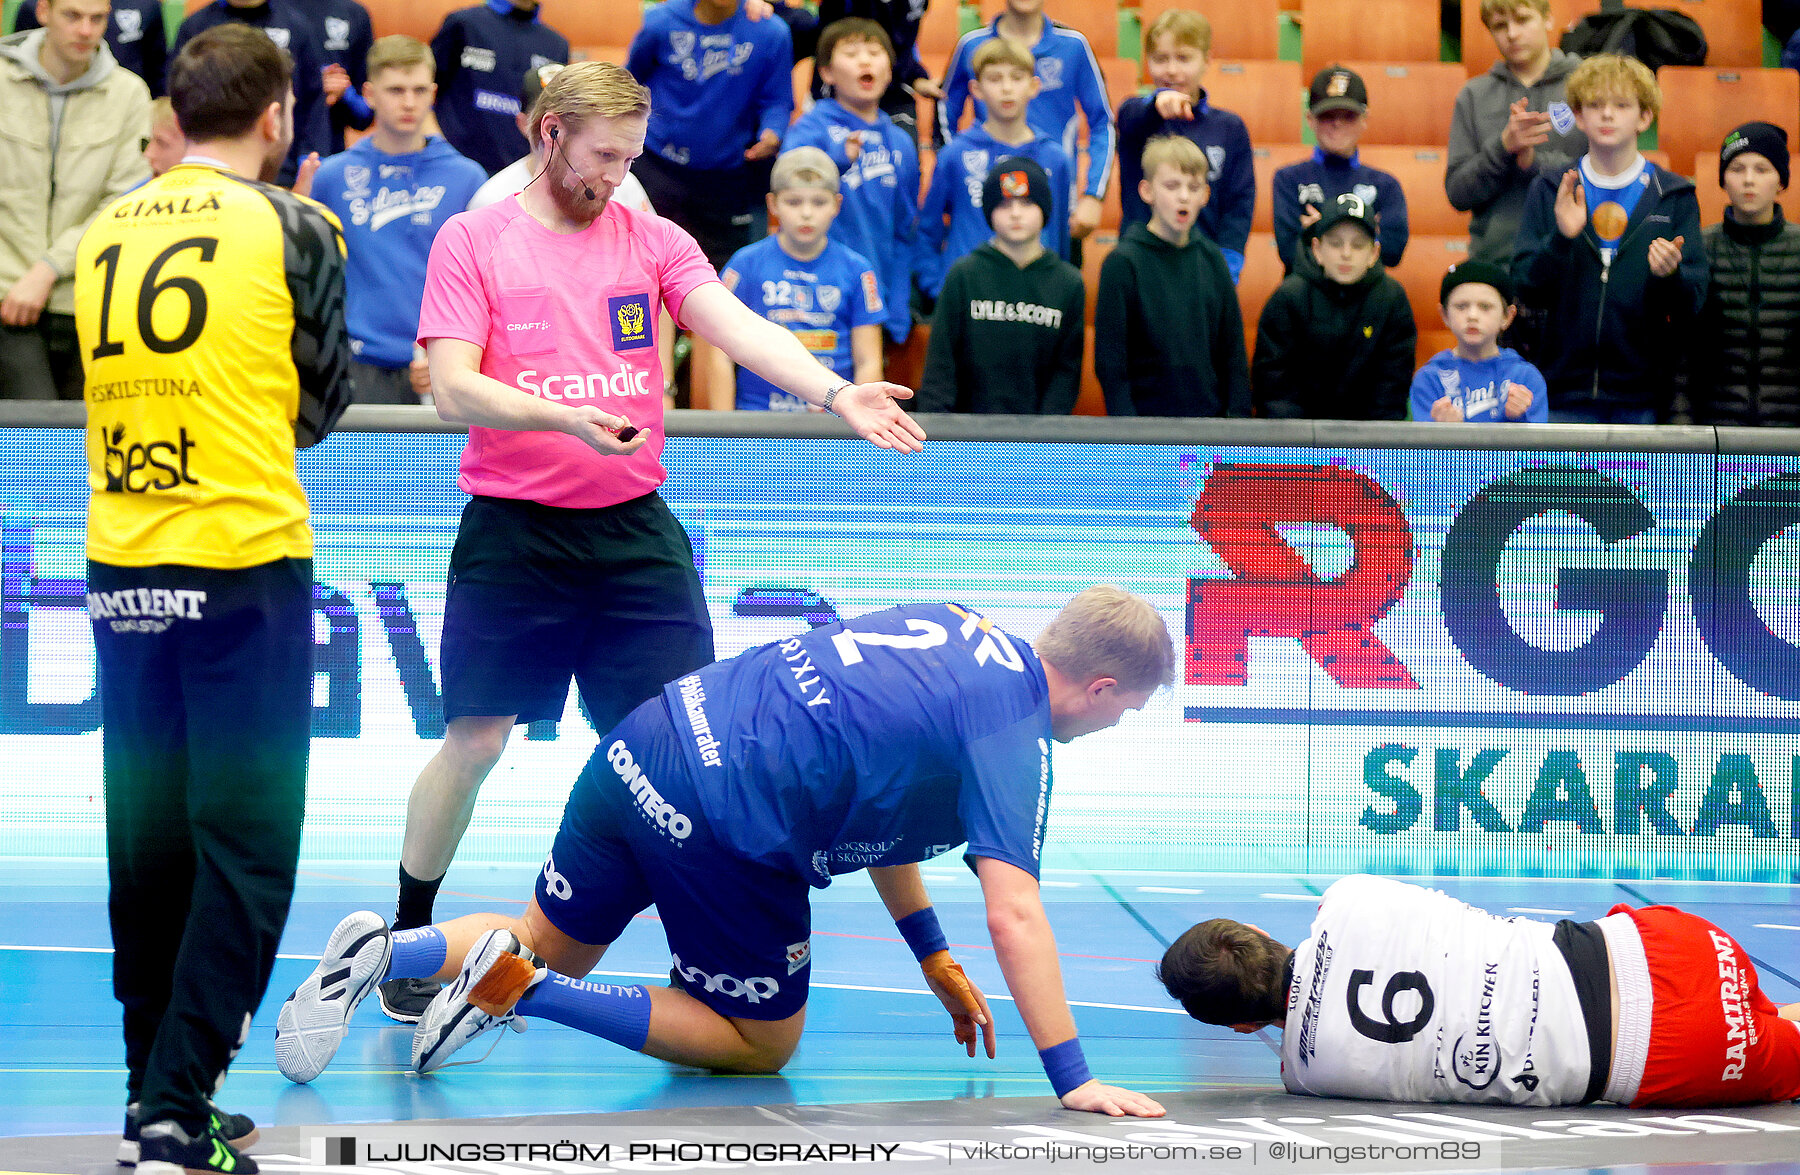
[(630, 320), (657, 810), (730, 986), (799, 954)]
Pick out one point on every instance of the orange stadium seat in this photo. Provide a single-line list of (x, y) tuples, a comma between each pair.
[(1120, 75), (423, 18), (1409, 102), (939, 31), (1091, 401), (1420, 171), (1093, 255), (1421, 272), (1262, 273), (1344, 30), (613, 53), (1267, 160), (1098, 20), (1267, 95), (609, 22), (1245, 29), (1701, 104)]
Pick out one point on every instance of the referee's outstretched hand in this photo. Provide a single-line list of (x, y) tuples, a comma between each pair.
[(1111, 1100), (599, 431), (873, 410)]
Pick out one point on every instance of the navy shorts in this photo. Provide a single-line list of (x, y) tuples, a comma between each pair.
[(542, 593), (632, 836)]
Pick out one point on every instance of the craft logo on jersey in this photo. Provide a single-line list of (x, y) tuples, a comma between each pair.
[(630, 317), (144, 466)]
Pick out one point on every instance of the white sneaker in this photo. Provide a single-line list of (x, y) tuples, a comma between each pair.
[(315, 1019), (495, 973)]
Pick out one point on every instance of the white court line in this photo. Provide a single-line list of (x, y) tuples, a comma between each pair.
[(1166, 889), (1775, 926), (1536, 910), (1289, 897), (665, 975), (1060, 884)]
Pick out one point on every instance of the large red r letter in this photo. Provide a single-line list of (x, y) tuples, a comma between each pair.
[(1277, 594)]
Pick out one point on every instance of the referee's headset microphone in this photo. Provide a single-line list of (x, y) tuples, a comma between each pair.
[(587, 189)]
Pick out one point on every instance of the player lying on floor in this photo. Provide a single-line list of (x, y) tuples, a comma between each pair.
[(875, 744), (1402, 993)]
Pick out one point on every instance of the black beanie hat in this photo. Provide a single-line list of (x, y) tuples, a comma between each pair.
[(1485, 272), (1012, 177), (1766, 139)]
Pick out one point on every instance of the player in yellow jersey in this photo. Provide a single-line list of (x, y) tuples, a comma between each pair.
[(210, 307)]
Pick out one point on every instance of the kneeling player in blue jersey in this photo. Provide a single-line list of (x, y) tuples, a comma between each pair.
[(876, 743)]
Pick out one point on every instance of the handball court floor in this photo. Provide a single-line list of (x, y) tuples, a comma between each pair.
[(877, 1082)]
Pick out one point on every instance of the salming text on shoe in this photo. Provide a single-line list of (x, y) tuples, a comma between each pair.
[(164, 1148), (405, 1000), (494, 974), (236, 1129), (316, 1017)]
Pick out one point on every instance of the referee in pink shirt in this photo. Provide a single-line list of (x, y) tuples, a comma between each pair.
[(539, 325)]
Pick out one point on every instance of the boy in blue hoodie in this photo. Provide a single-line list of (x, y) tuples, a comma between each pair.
[(1609, 254), (1478, 379), (878, 161), (392, 192), (721, 97), (1072, 83), (1005, 84)]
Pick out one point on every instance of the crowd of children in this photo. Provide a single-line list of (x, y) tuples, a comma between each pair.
[(1591, 293)]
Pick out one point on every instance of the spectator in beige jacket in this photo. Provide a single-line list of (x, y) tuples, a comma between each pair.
[(76, 129)]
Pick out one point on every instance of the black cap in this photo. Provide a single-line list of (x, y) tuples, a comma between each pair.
[(1763, 138), (1337, 88), (1013, 177), (1346, 208), (1484, 272)]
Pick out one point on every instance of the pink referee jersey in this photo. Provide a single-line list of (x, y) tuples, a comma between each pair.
[(568, 317)]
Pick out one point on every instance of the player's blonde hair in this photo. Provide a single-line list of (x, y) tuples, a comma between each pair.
[(1002, 51), (1612, 75), (399, 51), (588, 89), (163, 110), (1182, 25), (1108, 632), (1492, 10), (1183, 154)]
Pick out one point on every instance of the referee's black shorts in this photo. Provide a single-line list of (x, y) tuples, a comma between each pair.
[(541, 593)]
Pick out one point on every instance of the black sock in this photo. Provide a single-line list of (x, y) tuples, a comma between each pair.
[(416, 898)]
